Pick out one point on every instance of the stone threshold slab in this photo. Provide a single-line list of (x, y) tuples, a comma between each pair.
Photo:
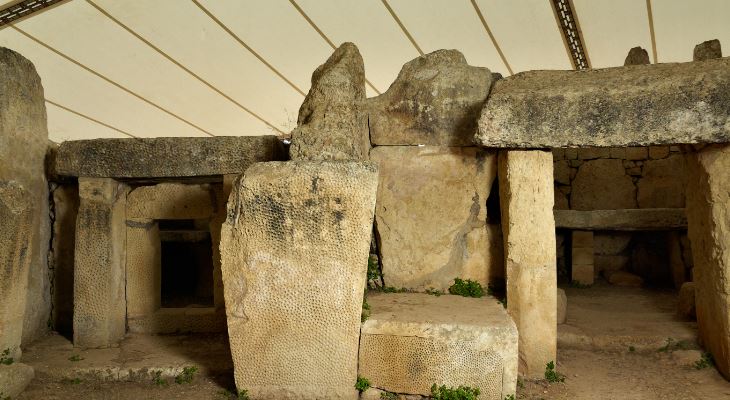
[(639, 219)]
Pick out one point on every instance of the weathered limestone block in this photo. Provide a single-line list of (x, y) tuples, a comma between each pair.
[(100, 270), (663, 182), (622, 220), (686, 300), (143, 278), (528, 226), (679, 271), (637, 56), (413, 340), (332, 123), (707, 50), (625, 106), (431, 216), (708, 216), (624, 278), (16, 225), (14, 378), (435, 100), (582, 269), (562, 306), (602, 185), (612, 243), (165, 156), (294, 250), (23, 146), (171, 201)]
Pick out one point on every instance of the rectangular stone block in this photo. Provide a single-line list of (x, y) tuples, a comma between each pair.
[(583, 274), (582, 239), (412, 341), (526, 200), (15, 227), (172, 201), (431, 216), (165, 156), (100, 264), (583, 255), (647, 219), (143, 275), (708, 217), (294, 251), (624, 106)]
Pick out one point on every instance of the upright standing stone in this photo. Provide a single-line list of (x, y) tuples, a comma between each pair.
[(23, 146), (294, 250), (708, 218), (707, 50), (332, 124), (637, 56), (15, 250), (100, 270), (528, 226), (583, 270)]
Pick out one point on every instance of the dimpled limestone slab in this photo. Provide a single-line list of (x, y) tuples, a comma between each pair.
[(294, 250), (15, 228), (413, 340)]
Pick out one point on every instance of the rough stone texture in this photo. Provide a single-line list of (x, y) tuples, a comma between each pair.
[(637, 56), (528, 226), (612, 243), (562, 306), (165, 156), (291, 227), (623, 278), (708, 215), (663, 182), (65, 212), (435, 100), (707, 50), (623, 106), (622, 220), (332, 123), (14, 378), (179, 320), (172, 201), (23, 146), (143, 278), (431, 216), (582, 268), (686, 300), (16, 225), (602, 185), (414, 340), (100, 265)]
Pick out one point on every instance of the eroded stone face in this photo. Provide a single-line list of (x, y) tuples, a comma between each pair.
[(435, 100), (707, 50), (294, 249), (623, 106), (602, 185), (431, 216), (637, 56), (332, 124), (663, 182)]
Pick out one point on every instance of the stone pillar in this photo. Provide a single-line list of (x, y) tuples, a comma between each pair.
[(708, 219), (294, 251), (582, 260), (15, 257), (528, 227), (100, 265), (143, 271)]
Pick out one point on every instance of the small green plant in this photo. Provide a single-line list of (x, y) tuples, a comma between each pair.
[(186, 376), (706, 361), (5, 358), (159, 380), (434, 292), (460, 393), (551, 375), (520, 384), (375, 277), (74, 381), (362, 384), (509, 397), (4, 397), (75, 358), (388, 396), (579, 285), (503, 302), (243, 395), (670, 345), (365, 310), (632, 349), (466, 288), (391, 289)]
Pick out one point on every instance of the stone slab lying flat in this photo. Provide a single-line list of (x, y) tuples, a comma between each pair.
[(13, 379), (294, 252), (625, 106), (636, 219), (165, 157), (413, 340)]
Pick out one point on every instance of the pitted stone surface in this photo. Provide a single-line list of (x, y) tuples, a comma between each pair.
[(707, 50), (414, 340), (100, 265), (165, 156), (602, 185), (435, 100), (663, 182), (332, 124), (14, 378), (143, 278), (15, 228), (637, 56), (431, 216), (623, 106), (294, 250)]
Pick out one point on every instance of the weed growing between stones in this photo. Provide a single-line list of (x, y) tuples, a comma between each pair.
[(186, 376), (509, 397), (460, 393), (75, 358), (551, 375), (632, 349), (466, 288), (159, 380), (228, 395), (362, 384), (365, 310), (69, 381), (375, 277), (434, 292), (388, 396), (4, 397), (671, 346), (5, 358), (706, 361)]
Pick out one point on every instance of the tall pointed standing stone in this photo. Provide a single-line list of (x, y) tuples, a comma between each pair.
[(332, 124)]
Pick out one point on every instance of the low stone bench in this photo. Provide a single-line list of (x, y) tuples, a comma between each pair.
[(414, 340)]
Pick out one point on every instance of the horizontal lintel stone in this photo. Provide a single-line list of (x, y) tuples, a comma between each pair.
[(636, 219), (165, 157), (639, 105)]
